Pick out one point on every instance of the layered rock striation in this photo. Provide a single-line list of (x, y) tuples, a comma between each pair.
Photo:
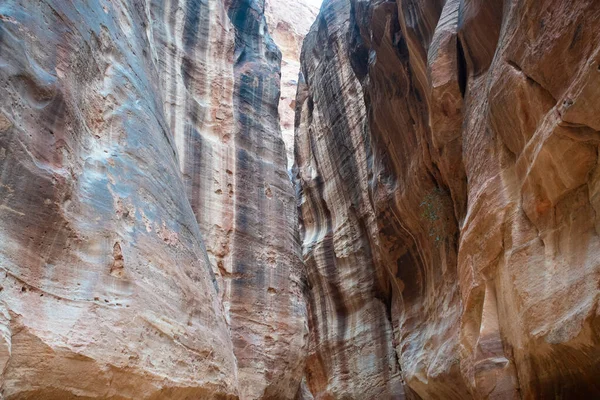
[(148, 245), (267, 308), (447, 166), (447, 183)]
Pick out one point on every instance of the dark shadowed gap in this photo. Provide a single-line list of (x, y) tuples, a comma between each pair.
[(461, 65)]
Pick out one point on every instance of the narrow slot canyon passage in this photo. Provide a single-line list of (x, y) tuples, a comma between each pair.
[(299, 200)]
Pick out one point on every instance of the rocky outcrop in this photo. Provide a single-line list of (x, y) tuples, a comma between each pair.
[(447, 162), (289, 21), (148, 245)]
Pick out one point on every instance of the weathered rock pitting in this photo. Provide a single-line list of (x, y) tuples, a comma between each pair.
[(447, 161), (148, 242)]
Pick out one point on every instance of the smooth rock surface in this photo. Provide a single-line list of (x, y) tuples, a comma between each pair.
[(447, 163)]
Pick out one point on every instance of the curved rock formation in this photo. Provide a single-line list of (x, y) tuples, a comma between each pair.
[(447, 161), (148, 244), (448, 186)]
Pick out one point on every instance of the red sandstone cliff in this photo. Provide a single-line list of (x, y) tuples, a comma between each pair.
[(447, 161), (446, 175)]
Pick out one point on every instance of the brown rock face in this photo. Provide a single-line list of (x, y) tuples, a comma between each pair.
[(447, 162), (148, 244), (263, 279), (448, 182)]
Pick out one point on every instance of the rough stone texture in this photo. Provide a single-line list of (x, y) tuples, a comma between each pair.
[(148, 245), (447, 162), (265, 288), (289, 21)]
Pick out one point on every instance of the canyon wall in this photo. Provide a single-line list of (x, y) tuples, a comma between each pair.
[(148, 243), (289, 21), (266, 304), (449, 194), (447, 183)]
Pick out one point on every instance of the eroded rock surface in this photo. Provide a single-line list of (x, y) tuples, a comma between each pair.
[(265, 289), (289, 21), (148, 245), (447, 162)]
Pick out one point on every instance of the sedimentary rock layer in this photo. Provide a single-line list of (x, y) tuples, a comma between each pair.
[(147, 220), (447, 162)]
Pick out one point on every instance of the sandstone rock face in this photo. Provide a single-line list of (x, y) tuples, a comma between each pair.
[(148, 245), (447, 163), (264, 275), (289, 21)]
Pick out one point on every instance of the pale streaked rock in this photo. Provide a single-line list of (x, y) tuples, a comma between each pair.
[(289, 21), (148, 241)]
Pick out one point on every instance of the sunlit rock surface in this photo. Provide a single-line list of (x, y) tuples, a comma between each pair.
[(447, 164), (148, 245), (289, 21)]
